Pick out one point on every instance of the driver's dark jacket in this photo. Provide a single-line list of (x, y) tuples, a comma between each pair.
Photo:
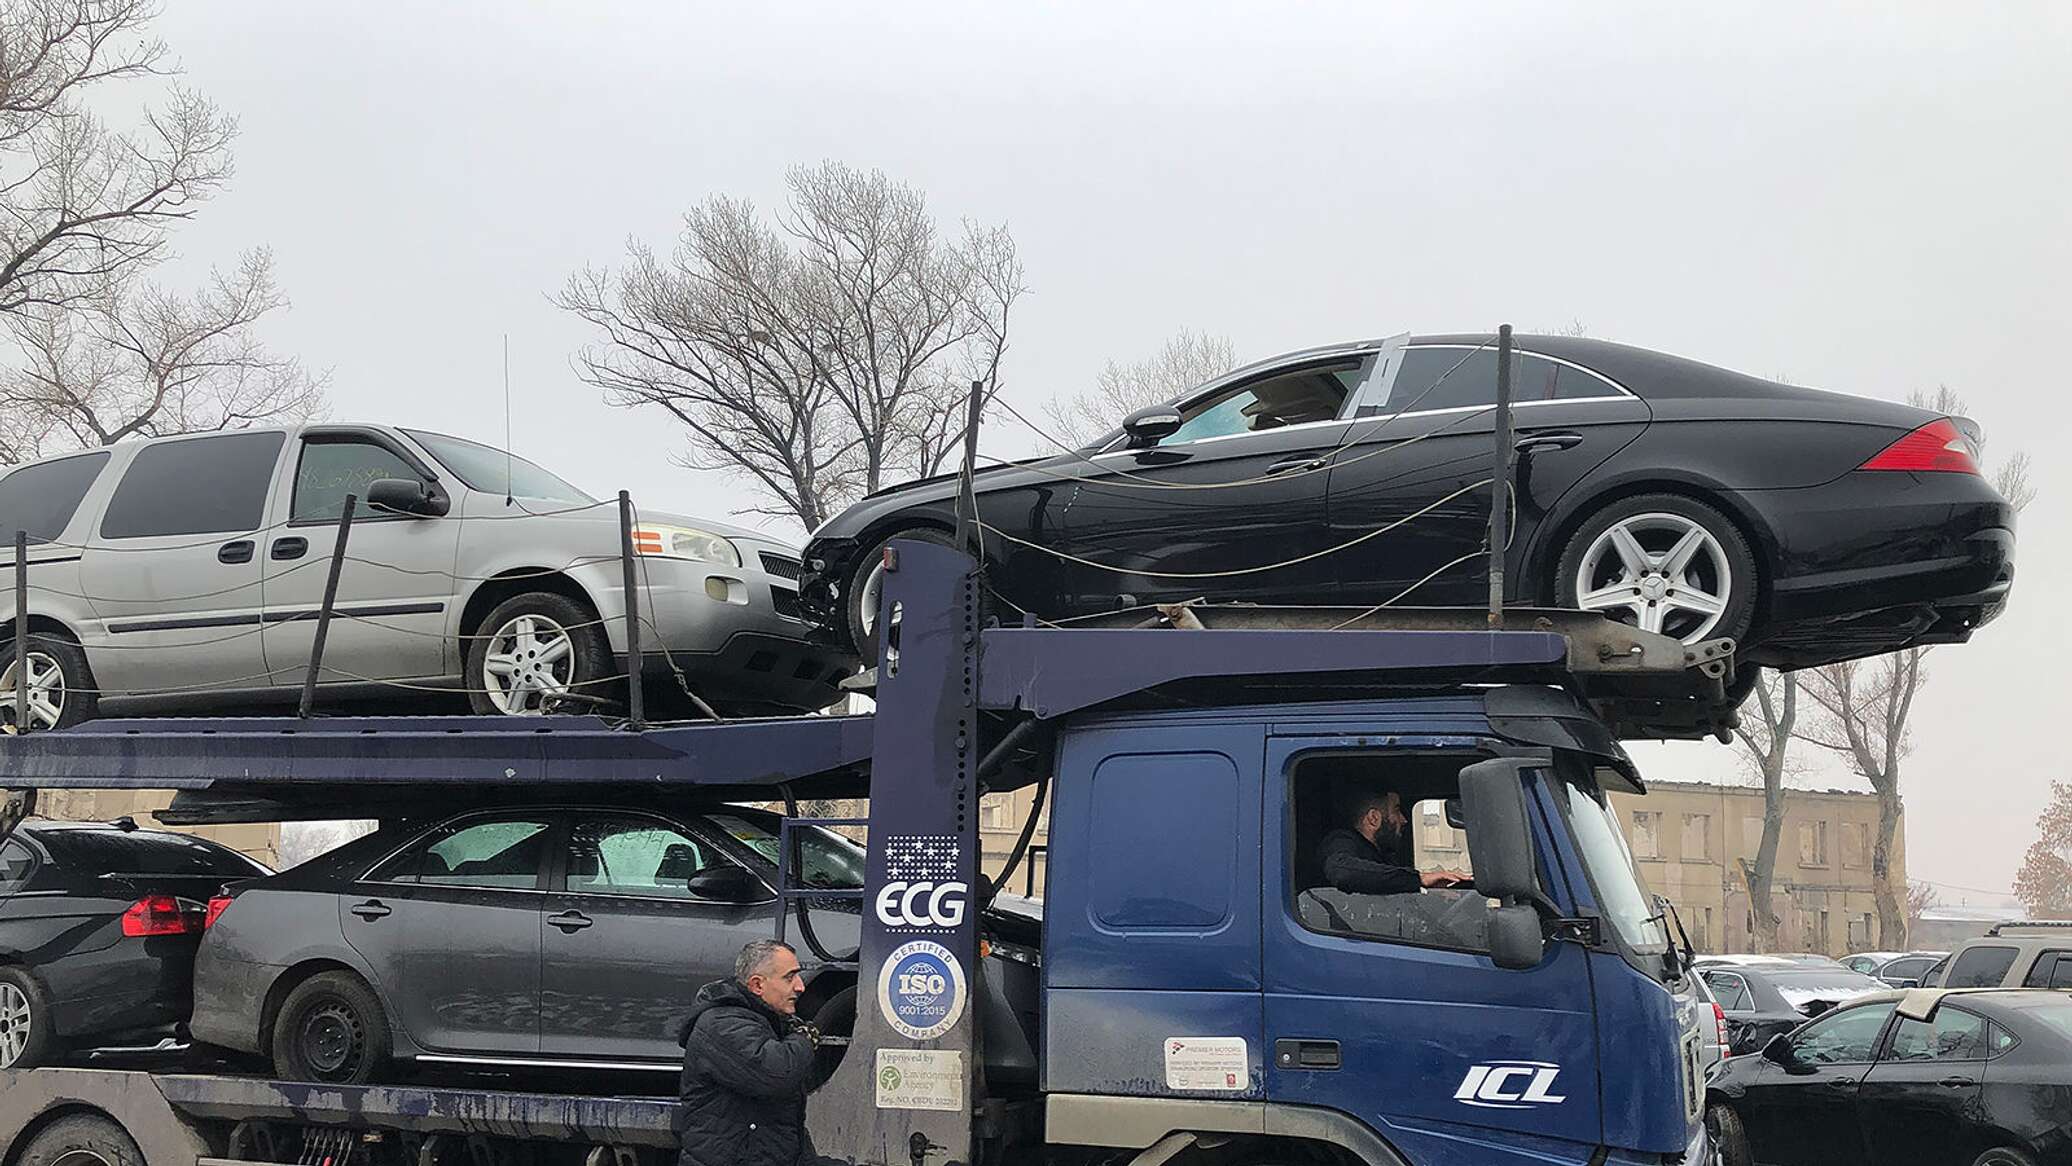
[(1351, 863), (746, 1074)]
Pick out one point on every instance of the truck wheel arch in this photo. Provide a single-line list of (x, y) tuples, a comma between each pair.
[(1167, 1130)]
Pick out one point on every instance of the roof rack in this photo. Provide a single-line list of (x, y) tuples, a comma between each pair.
[(2041, 926)]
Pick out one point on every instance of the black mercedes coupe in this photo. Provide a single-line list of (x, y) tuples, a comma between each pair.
[(1684, 498)]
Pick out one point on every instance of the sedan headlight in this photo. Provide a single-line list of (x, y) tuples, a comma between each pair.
[(683, 542)]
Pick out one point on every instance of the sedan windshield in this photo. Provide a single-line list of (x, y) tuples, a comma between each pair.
[(493, 471), (1626, 904)]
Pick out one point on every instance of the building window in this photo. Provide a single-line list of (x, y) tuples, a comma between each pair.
[(1697, 838), (1816, 931), (1703, 940), (1856, 845), (1647, 830), (996, 812), (1812, 843), (1860, 933)]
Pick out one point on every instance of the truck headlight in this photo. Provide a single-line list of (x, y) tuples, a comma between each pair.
[(684, 542)]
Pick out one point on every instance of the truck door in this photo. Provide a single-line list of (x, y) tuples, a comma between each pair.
[(1381, 1007)]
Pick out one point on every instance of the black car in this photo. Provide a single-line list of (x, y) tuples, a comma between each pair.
[(1682, 497), (554, 936), (1921, 1079), (98, 927), (1762, 1000)]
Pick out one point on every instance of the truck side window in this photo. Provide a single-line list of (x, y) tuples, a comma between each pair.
[(1341, 882), (1980, 967), (2049, 970)]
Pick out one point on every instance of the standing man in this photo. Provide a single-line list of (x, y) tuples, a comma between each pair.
[(747, 1066), (1354, 860)]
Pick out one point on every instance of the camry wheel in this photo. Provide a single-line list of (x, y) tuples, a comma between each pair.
[(60, 695), (331, 1029), (536, 654), (24, 1021), (1662, 563)]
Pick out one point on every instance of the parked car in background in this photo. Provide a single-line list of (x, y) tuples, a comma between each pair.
[(1800, 958), (2013, 956), (1762, 1000), (1901, 969), (98, 928), (1920, 1078), (1657, 490), (188, 571), (1714, 1045), (550, 936)]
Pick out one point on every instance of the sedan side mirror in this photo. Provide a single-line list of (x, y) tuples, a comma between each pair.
[(408, 496), (1147, 427), (1778, 1051), (727, 884)]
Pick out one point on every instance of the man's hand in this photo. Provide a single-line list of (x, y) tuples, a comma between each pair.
[(1444, 878), (812, 1033)]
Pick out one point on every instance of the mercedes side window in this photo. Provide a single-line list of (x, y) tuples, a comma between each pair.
[(1980, 967), (329, 470), (1954, 1035), (197, 485), (634, 855), (40, 500), (1459, 378), (1276, 402), (1847, 1037), (500, 853)]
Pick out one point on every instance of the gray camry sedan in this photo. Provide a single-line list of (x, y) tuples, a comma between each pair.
[(188, 571)]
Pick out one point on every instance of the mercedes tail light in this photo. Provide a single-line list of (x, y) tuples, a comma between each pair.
[(1719, 1024), (1937, 447), (163, 915), (217, 906)]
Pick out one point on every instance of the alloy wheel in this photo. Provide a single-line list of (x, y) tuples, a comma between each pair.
[(46, 692), (332, 1041), (1660, 572), (873, 591), (530, 666), (14, 1024)]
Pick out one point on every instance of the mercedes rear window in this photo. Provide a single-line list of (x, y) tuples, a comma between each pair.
[(112, 852)]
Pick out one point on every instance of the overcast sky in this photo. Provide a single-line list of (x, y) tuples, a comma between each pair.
[(1871, 200)]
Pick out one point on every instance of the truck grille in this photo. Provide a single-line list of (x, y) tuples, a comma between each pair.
[(1693, 1077), (781, 566)]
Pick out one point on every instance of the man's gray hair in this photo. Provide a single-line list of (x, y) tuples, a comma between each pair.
[(756, 956)]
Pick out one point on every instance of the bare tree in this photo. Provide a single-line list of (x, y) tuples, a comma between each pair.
[(1183, 362), (1867, 706), (1921, 898), (1766, 738), (820, 353), (138, 361), (81, 204)]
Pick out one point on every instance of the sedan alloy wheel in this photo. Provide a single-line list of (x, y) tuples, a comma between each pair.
[(47, 692), (16, 1017), (1660, 572)]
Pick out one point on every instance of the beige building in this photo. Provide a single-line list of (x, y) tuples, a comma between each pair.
[(261, 840)]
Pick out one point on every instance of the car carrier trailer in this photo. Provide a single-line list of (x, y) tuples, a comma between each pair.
[(1201, 1002)]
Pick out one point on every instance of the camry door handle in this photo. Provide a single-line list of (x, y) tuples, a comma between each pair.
[(289, 548), (570, 922), (235, 552), (1296, 466), (1547, 442), (1954, 1082), (372, 909)]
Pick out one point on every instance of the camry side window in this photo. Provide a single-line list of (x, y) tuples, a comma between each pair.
[(329, 470), (1954, 1035), (632, 855), (1842, 1038), (198, 485), (1295, 398), (502, 853)]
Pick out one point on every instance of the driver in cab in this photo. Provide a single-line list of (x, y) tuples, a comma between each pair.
[(1372, 855)]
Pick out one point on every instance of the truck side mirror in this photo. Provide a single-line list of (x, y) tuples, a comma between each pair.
[(1149, 426), (1515, 939), (1500, 850)]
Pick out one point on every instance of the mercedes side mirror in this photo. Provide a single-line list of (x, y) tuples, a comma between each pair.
[(1500, 850), (1147, 427), (408, 496), (727, 884)]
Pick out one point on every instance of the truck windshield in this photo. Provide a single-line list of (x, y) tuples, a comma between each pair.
[(1625, 902)]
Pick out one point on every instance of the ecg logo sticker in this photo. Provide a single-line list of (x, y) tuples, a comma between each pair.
[(921, 885), (1509, 1085)]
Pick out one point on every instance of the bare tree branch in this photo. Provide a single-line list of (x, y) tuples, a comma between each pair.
[(1183, 362)]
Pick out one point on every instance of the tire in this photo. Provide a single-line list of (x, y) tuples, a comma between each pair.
[(2003, 1156), (1639, 585), (528, 691), (331, 1029), (836, 1017), (26, 1039), (860, 595), (81, 1139), (1729, 1137), (58, 680)]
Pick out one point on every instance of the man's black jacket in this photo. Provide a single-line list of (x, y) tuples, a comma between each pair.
[(1351, 863), (744, 1083)]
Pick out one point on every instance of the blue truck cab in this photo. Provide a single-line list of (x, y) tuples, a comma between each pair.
[(1197, 980)]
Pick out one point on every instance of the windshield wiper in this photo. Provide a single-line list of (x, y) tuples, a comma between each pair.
[(1690, 954)]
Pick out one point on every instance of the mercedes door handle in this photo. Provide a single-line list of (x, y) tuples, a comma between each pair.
[(1296, 466), (235, 552), (570, 922), (372, 909), (289, 548), (1547, 442)]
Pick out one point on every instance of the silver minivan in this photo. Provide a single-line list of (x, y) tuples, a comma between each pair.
[(188, 571)]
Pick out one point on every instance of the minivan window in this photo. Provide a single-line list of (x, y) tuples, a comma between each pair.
[(198, 485), (1981, 967), (329, 470), (40, 500), (492, 471)]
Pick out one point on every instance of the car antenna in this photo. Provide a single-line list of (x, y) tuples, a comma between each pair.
[(508, 500)]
